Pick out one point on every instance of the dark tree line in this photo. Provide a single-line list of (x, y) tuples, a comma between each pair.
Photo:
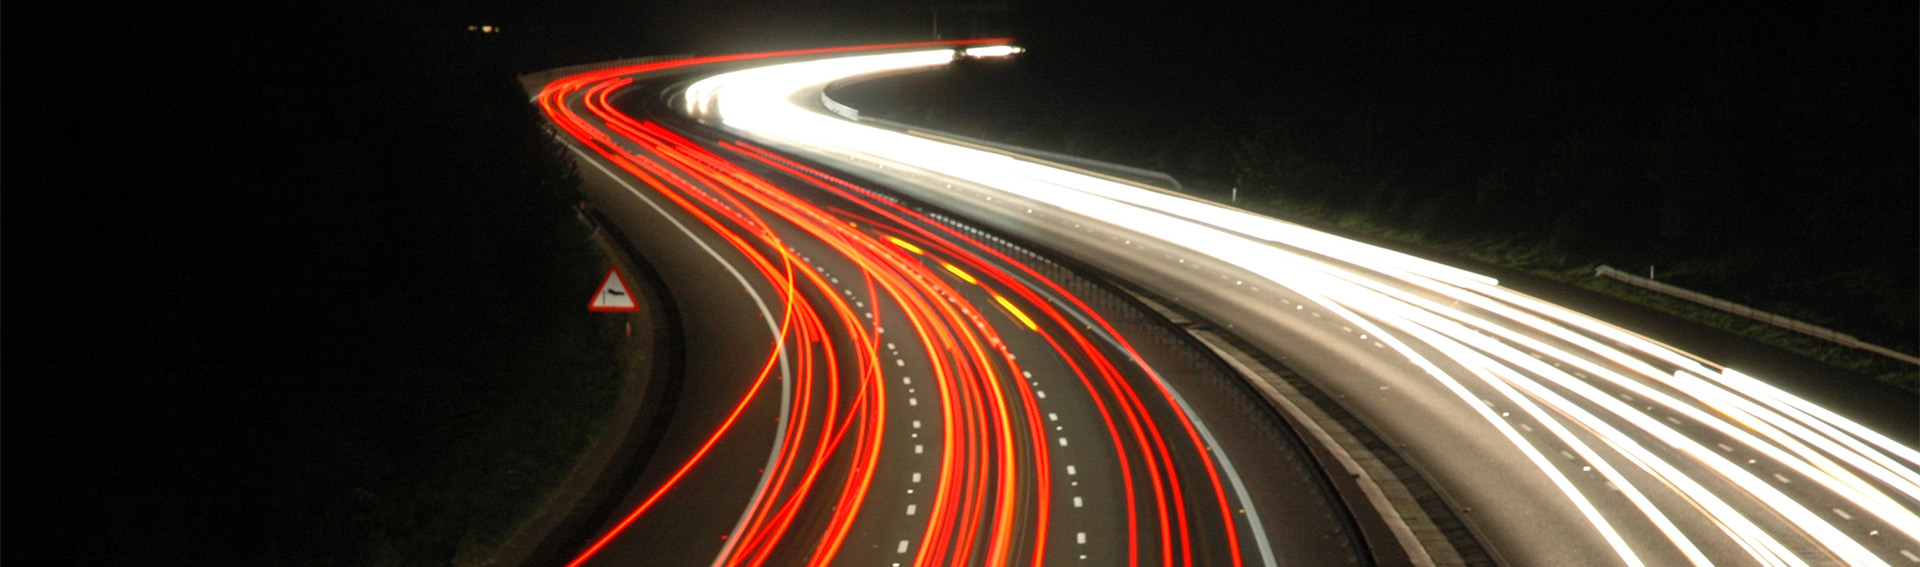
[(1763, 152)]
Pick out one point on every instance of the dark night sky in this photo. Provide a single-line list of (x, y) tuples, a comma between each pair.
[(137, 134), (1456, 44), (97, 91), (129, 120), (133, 121)]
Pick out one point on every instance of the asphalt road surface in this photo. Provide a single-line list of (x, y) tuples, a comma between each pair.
[(871, 384)]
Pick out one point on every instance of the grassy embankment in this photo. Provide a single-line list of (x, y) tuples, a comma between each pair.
[(474, 378), (346, 290)]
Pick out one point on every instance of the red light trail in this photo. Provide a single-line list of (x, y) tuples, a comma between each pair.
[(992, 501)]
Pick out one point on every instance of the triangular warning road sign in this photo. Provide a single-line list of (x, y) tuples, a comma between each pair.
[(613, 294)]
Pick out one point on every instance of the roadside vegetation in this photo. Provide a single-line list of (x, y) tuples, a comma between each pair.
[(1768, 159), (323, 303)]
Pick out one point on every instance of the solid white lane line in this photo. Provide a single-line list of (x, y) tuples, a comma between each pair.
[(786, 373)]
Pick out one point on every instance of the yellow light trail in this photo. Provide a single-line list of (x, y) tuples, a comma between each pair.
[(1017, 314), (962, 273), (908, 246)]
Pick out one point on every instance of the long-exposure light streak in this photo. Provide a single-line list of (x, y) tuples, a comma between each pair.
[(1512, 344), (1160, 448), (991, 503)]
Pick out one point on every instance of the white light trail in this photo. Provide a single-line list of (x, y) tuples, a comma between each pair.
[(1508, 344), (992, 51)]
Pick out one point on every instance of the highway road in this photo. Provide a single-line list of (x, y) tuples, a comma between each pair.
[(869, 383), (1560, 439)]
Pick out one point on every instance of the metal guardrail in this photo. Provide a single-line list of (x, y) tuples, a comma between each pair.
[(1177, 353), (835, 107), (1774, 319), (537, 80), (1129, 172)]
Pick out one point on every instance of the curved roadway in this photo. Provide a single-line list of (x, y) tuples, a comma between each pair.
[(1561, 439), (868, 384)]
